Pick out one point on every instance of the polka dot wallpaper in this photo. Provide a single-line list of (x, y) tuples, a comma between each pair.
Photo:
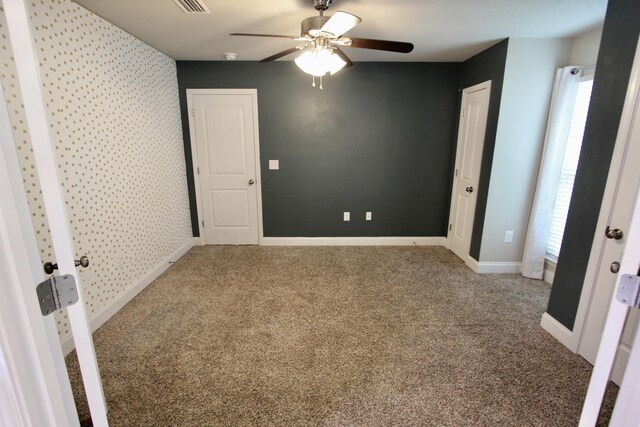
[(113, 109)]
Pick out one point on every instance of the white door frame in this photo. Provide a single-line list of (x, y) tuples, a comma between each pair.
[(617, 161), (194, 151), (20, 34), (480, 86), (625, 408), (626, 411), (33, 376)]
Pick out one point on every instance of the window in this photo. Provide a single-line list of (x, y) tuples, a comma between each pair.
[(569, 166)]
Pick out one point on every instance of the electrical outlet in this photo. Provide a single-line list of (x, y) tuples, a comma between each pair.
[(367, 216), (347, 216), (508, 236)]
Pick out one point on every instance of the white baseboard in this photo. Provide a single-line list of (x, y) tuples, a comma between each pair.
[(493, 267), (197, 241), (549, 276), (109, 310), (559, 332), (549, 272), (354, 241)]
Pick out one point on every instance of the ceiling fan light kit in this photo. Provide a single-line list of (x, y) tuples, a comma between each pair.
[(322, 37)]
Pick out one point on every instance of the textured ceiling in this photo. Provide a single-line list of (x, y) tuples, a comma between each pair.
[(441, 30)]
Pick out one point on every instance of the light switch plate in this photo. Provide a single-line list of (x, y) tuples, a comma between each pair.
[(367, 216), (274, 164), (508, 236), (347, 216)]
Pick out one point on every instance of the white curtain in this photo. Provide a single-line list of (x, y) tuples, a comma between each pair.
[(555, 142)]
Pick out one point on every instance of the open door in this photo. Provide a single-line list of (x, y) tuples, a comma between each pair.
[(20, 34), (618, 261), (34, 386)]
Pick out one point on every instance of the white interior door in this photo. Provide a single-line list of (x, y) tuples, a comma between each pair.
[(613, 351), (20, 33), (224, 127), (34, 385), (471, 132), (622, 190)]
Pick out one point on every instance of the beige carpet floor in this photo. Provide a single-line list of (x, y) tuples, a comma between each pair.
[(335, 336)]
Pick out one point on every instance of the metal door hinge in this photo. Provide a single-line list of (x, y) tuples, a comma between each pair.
[(462, 115), (450, 225), (629, 290), (193, 112), (202, 223), (198, 169), (456, 172), (57, 292)]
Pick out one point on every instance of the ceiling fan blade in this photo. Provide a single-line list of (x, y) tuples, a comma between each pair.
[(265, 35), (280, 54), (391, 46), (340, 23), (344, 57)]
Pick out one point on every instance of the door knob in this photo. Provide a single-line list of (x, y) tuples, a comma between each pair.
[(49, 267), (251, 182), (616, 233), (469, 189)]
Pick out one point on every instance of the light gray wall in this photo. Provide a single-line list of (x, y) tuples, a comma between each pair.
[(528, 81), (585, 46)]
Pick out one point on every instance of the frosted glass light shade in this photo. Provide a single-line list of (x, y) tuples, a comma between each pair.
[(319, 62), (307, 63), (335, 64)]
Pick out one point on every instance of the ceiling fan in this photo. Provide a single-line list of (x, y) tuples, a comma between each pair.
[(322, 39)]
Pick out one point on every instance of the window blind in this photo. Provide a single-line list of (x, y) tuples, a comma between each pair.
[(569, 167)]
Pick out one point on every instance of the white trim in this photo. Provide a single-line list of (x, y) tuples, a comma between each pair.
[(493, 267), (353, 241), (33, 371), (194, 150), (559, 332), (112, 308), (499, 267), (46, 159), (626, 141), (626, 411), (197, 241), (549, 271), (11, 396), (472, 263)]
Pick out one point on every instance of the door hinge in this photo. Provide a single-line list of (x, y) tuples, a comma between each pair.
[(450, 225), (629, 290), (462, 113), (193, 112), (198, 169), (456, 172), (202, 223), (56, 292)]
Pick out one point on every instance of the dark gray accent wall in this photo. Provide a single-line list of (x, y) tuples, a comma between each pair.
[(617, 49), (379, 137), (487, 65)]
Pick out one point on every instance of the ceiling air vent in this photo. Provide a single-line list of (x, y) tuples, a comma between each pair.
[(192, 6)]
